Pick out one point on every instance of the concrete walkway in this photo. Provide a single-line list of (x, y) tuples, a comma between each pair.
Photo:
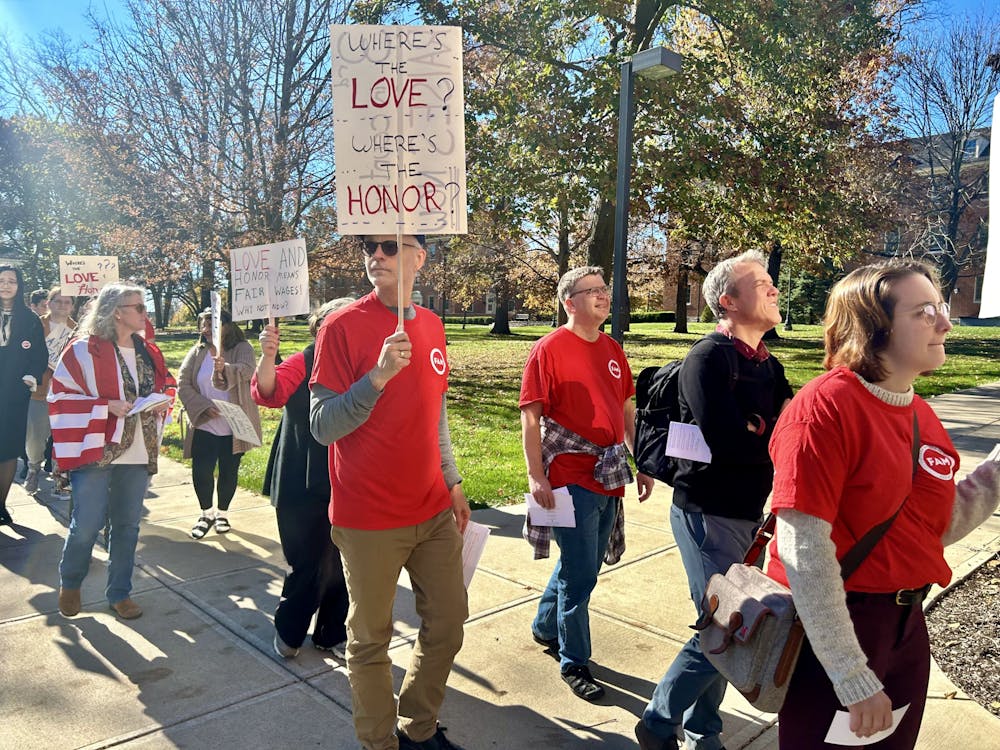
[(197, 669)]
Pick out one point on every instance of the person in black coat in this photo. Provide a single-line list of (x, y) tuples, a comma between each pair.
[(23, 359), (298, 480)]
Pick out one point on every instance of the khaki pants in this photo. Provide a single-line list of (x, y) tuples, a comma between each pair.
[(431, 552)]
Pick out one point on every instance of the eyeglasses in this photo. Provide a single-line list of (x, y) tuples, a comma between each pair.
[(389, 247), (139, 307), (930, 312), (594, 291)]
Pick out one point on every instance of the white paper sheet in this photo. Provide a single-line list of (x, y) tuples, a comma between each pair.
[(840, 730), (686, 441), (238, 421), (473, 544), (561, 515), (147, 402)]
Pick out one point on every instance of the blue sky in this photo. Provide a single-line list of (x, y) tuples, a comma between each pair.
[(32, 17)]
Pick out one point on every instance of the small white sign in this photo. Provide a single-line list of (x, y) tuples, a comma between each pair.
[(238, 421), (216, 320), (270, 281), (686, 441), (561, 515), (86, 275)]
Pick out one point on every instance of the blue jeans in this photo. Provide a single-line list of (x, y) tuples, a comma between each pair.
[(691, 691), (114, 491), (562, 611)]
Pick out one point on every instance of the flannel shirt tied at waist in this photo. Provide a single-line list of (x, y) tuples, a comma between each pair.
[(611, 470)]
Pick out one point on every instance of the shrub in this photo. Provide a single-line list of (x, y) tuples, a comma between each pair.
[(707, 316), (653, 316)]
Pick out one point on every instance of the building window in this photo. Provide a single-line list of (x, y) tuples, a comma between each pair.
[(977, 295), (971, 150), (491, 304), (690, 294), (892, 241), (430, 303)]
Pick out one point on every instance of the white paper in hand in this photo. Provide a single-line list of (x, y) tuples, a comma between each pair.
[(686, 441), (473, 544), (561, 515), (147, 402), (840, 730)]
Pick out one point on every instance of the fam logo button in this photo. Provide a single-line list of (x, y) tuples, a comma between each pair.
[(615, 369), (438, 361), (937, 463)]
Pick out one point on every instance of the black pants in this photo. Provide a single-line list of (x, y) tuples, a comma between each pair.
[(316, 579), (207, 450)]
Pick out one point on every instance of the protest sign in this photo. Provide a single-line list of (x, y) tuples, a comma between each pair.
[(216, 320), (990, 306), (238, 421), (399, 129), (270, 281), (86, 275)]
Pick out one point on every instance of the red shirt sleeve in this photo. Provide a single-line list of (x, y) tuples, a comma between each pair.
[(288, 377), (535, 383)]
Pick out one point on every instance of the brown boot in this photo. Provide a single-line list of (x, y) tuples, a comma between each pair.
[(127, 609), (69, 601)]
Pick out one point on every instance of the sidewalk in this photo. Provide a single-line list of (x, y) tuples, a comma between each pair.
[(197, 669)]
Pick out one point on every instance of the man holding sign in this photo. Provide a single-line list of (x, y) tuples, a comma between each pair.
[(378, 396)]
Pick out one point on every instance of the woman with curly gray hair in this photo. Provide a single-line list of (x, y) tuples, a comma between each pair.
[(110, 451)]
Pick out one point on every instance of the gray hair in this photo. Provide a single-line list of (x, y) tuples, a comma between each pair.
[(100, 321), (720, 279), (319, 314), (569, 279)]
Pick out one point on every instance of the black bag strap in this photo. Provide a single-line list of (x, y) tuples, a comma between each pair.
[(861, 549)]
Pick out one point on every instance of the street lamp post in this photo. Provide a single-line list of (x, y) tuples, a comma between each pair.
[(655, 63)]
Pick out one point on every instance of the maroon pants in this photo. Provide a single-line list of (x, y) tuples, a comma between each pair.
[(895, 641)]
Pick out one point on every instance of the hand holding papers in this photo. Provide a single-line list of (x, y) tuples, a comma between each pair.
[(144, 403), (560, 515), (473, 544), (840, 730), (686, 441)]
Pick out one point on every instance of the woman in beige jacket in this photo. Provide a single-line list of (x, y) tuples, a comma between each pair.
[(208, 441)]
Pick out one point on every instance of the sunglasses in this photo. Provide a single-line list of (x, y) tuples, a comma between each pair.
[(389, 247), (139, 307)]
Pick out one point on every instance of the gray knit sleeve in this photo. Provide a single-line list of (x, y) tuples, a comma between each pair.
[(448, 467), (976, 498), (810, 559), (333, 415)]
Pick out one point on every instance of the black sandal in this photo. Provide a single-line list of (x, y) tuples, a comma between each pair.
[(201, 528)]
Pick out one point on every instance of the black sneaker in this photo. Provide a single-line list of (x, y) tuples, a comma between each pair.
[(578, 677), (437, 742), (649, 741), (549, 644)]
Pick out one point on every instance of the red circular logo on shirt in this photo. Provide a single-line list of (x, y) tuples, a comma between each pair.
[(615, 369), (438, 361), (936, 462)]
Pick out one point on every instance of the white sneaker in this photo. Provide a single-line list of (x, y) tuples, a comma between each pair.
[(282, 649), (31, 482)]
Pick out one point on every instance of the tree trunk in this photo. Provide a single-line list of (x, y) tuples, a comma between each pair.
[(774, 271), (601, 250), (680, 301), (501, 319), (563, 259)]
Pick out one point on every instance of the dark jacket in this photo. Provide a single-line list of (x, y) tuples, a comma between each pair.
[(25, 354), (737, 482), (298, 468)]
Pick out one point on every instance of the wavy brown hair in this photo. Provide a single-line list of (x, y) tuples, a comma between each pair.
[(858, 319)]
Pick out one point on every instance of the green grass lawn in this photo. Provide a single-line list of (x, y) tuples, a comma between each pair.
[(486, 378)]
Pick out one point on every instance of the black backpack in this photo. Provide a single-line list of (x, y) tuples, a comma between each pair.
[(657, 401)]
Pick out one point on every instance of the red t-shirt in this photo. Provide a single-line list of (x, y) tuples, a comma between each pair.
[(843, 455), (582, 385), (386, 474)]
